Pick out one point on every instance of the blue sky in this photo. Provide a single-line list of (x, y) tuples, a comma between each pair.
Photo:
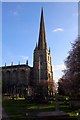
[(20, 30)]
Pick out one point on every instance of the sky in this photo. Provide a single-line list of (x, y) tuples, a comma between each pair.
[(20, 31)]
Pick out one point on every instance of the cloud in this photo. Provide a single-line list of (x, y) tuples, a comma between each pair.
[(15, 13), (59, 67), (20, 7), (75, 14), (56, 76), (58, 30), (57, 71), (24, 57)]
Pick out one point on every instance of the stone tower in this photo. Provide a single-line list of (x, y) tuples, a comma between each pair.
[(42, 58)]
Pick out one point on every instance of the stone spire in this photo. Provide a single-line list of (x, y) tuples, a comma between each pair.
[(42, 35), (27, 62)]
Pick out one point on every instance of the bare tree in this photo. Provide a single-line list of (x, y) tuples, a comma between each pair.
[(71, 78)]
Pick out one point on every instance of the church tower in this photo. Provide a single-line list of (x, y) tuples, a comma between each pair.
[(42, 58)]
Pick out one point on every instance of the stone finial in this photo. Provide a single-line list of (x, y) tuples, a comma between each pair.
[(27, 62), (12, 63), (5, 64), (19, 63), (49, 49), (36, 44)]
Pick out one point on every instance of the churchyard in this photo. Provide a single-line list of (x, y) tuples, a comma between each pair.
[(21, 109)]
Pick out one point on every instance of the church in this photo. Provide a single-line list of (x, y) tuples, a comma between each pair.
[(22, 79)]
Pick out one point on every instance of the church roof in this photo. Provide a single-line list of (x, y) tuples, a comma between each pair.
[(16, 66)]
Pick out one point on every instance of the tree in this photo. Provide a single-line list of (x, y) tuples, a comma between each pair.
[(61, 87), (71, 77)]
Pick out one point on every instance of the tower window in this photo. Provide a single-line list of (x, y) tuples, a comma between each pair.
[(41, 59), (48, 58)]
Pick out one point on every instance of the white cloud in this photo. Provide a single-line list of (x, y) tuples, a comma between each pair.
[(59, 67), (15, 13), (57, 71), (75, 14), (24, 57), (56, 77), (58, 30)]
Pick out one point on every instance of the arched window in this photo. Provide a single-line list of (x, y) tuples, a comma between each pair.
[(49, 76), (22, 76), (8, 77), (14, 77), (3, 76), (41, 59), (48, 57)]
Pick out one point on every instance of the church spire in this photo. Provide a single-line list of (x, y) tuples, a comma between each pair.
[(42, 35)]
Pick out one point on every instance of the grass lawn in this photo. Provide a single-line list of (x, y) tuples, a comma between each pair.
[(18, 108)]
